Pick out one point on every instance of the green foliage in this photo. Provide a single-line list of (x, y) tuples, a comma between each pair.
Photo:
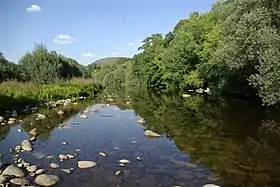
[(234, 49)]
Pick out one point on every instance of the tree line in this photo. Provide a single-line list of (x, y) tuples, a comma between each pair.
[(41, 66), (234, 49)]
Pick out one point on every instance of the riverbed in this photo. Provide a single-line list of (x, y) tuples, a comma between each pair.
[(232, 144)]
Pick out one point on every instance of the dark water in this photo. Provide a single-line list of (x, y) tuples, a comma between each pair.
[(229, 143)]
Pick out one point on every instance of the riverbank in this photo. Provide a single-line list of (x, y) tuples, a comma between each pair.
[(15, 95)]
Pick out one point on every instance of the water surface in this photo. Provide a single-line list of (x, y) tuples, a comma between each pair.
[(229, 144)]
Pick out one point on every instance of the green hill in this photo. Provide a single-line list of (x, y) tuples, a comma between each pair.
[(109, 61)]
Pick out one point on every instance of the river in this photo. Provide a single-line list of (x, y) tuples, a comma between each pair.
[(227, 143)]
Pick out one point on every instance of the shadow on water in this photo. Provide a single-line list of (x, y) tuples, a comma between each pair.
[(238, 140)]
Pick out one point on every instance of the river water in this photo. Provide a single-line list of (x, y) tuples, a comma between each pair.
[(227, 143)]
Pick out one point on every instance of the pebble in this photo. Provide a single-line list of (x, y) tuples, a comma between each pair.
[(63, 157), (124, 161), (39, 171), (31, 169), (102, 154), (54, 165), (86, 164), (19, 181), (46, 180)]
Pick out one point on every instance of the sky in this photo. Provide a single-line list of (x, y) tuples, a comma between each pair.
[(87, 30)]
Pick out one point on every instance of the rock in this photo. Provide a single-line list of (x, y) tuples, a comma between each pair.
[(83, 116), (138, 158), (186, 95), (70, 156), (151, 133), (121, 164), (210, 185), (95, 110), (11, 122), (200, 91), (33, 139), (26, 145), (33, 132), (124, 161), (1, 119), (13, 171), (45, 180), (86, 164), (128, 103), (19, 130), (39, 171), (25, 164), (18, 148), (31, 169), (41, 116), (3, 179), (64, 143), (67, 171), (141, 121), (54, 165), (63, 157), (20, 165), (60, 112), (118, 172), (3, 123), (19, 181), (12, 119), (207, 90), (102, 154)]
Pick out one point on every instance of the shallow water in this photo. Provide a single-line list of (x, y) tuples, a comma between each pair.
[(233, 144)]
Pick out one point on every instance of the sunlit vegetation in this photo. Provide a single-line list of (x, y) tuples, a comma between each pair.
[(234, 49)]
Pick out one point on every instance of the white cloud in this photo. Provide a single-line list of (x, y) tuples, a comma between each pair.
[(63, 39), (117, 47), (33, 8), (130, 44), (115, 53), (89, 54)]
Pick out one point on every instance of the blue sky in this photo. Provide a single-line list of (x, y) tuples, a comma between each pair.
[(87, 30)]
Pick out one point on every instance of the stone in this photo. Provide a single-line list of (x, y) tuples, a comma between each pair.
[(60, 112), (19, 130), (18, 148), (39, 171), (31, 169), (83, 116), (11, 122), (1, 119), (3, 179), (13, 171), (19, 181), (33, 132), (138, 158), (210, 185), (67, 171), (25, 164), (26, 145), (63, 157), (151, 134), (54, 165), (102, 154), (41, 116), (70, 156), (200, 91), (12, 119), (118, 172), (45, 180), (86, 164), (124, 161), (20, 165), (186, 95), (141, 121), (33, 139)]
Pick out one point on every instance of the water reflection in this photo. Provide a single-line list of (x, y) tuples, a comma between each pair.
[(232, 143)]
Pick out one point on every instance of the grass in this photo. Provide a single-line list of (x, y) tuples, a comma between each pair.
[(14, 94)]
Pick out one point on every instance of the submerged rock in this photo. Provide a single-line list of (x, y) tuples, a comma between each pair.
[(54, 165), (151, 134), (13, 171), (46, 180), (19, 181), (86, 164), (26, 145)]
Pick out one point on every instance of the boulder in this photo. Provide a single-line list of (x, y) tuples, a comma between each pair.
[(46, 180), (19, 181), (13, 171), (26, 145)]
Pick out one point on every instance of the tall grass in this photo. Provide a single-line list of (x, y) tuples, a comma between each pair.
[(16, 93)]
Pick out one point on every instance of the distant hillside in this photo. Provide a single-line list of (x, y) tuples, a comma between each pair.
[(109, 61)]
